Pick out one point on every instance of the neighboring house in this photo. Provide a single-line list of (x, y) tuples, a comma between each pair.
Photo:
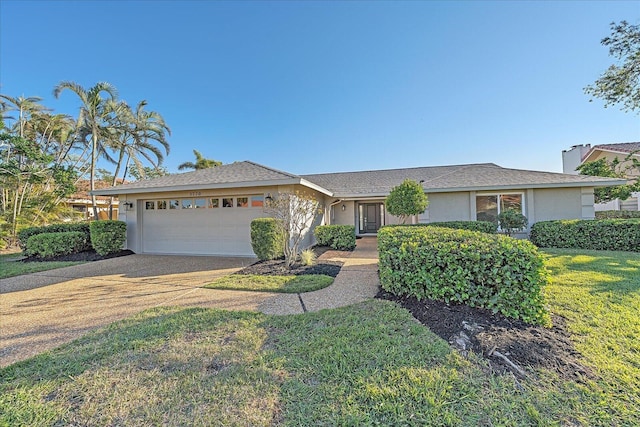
[(80, 201), (209, 211), (579, 154)]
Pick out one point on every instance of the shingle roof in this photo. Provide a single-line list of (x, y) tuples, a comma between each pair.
[(234, 174), (624, 147), (484, 176)]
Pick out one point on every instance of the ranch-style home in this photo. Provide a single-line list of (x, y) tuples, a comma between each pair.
[(209, 211)]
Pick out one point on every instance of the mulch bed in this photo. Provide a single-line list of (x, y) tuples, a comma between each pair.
[(522, 344), (278, 268), (80, 256)]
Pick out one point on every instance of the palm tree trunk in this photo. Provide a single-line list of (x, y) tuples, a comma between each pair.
[(92, 172), (115, 180)]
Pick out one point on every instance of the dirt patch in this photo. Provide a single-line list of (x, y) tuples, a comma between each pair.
[(492, 335), (80, 256)]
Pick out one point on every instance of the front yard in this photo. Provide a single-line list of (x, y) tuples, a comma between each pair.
[(369, 364), (10, 265)]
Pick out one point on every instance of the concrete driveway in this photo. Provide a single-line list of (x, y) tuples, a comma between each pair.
[(41, 311)]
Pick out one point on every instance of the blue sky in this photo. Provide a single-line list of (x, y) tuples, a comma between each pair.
[(312, 87)]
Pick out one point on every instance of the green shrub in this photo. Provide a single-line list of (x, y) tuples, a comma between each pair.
[(512, 221), (598, 234), (83, 227), (617, 214), (495, 272), (267, 238), (47, 245), (481, 226), (340, 237), (108, 236)]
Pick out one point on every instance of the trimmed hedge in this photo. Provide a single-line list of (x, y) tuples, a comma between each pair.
[(340, 237), (491, 271), (267, 238), (47, 245), (481, 226), (83, 227), (617, 214), (108, 236), (598, 234)]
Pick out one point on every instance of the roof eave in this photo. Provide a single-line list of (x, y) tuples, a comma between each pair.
[(608, 183), (190, 187), (316, 187), (596, 149)]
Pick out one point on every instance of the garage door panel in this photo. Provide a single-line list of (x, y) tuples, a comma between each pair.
[(215, 231)]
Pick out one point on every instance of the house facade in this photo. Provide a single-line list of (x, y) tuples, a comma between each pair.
[(209, 212), (80, 201), (580, 154)]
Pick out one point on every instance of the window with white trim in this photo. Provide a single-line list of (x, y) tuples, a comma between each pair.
[(489, 206)]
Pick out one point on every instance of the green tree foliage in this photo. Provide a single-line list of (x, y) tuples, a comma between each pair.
[(92, 122), (627, 169), (512, 221), (148, 172), (620, 83), (32, 182), (134, 137), (43, 155), (406, 199), (137, 134), (201, 163)]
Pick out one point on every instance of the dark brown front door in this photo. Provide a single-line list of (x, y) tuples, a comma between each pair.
[(371, 218)]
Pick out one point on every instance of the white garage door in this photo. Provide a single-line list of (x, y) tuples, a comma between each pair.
[(200, 226)]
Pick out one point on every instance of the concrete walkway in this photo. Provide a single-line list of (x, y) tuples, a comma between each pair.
[(357, 281)]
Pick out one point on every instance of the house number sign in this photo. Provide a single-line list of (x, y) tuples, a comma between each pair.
[(195, 193)]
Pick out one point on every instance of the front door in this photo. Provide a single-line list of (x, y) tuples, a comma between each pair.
[(370, 217)]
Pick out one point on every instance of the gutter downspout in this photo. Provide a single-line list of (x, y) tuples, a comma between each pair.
[(332, 205)]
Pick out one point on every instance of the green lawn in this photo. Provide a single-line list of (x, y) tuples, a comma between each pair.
[(285, 284), (368, 364), (599, 293), (9, 267)]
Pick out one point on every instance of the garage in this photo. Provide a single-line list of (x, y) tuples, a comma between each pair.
[(213, 225)]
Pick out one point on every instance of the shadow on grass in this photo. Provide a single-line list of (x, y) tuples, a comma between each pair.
[(141, 331), (603, 271)]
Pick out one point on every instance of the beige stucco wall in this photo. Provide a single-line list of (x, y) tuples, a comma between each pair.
[(561, 203), (339, 216), (133, 216), (449, 207)]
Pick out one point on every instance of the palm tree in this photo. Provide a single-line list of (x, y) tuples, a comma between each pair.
[(139, 129), (91, 121), (26, 107), (201, 163), (136, 133)]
